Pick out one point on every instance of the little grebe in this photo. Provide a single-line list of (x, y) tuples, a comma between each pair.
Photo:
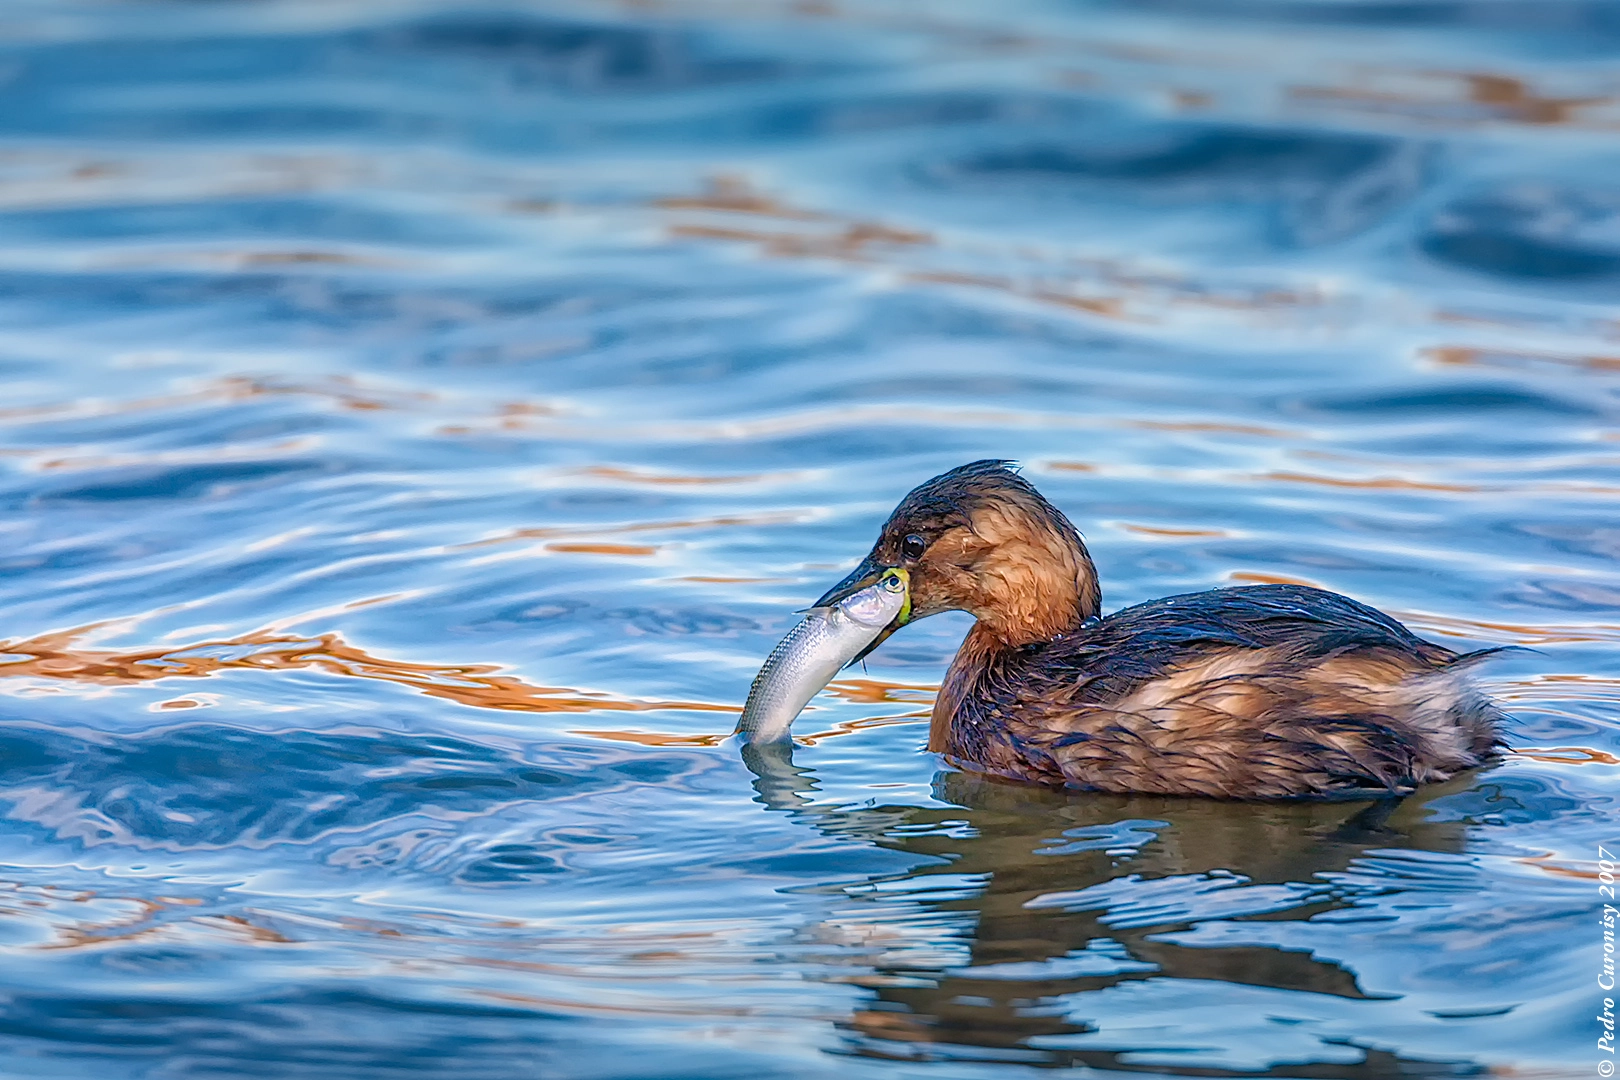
[(1259, 692)]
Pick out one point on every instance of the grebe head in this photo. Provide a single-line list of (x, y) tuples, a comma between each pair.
[(981, 539)]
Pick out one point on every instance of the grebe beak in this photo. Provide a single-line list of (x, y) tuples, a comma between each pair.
[(862, 577)]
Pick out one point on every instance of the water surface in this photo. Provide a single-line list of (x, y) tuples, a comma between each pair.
[(422, 418)]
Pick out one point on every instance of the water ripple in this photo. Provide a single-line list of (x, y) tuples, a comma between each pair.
[(421, 420)]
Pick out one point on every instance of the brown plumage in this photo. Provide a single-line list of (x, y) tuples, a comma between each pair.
[(1269, 691)]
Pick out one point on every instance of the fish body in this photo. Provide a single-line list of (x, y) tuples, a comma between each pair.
[(816, 650)]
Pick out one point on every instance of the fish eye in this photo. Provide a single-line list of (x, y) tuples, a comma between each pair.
[(892, 582), (913, 546)]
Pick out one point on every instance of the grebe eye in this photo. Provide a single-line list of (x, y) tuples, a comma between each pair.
[(913, 547)]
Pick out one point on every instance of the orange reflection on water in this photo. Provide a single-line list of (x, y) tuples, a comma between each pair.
[(557, 532), (1457, 98), (642, 476), (655, 738), (733, 195), (144, 923), (848, 242), (56, 657), (1112, 307), (850, 727), (879, 692), (206, 455), (341, 390), (74, 913), (876, 692), (238, 926), (858, 691), (1214, 428), (1103, 287), (1541, 690), (1378, 483), (1568, 755), (1557, 869), (1150, 530), (605, 549), (1469, 356), (1252, 578), (829, 236), (1511, 99), (1510, 633), (80, 920)]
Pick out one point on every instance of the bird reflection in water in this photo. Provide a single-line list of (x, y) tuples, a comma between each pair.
[(1030, 954)]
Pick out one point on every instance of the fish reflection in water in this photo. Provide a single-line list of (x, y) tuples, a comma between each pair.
[(1045, 926)]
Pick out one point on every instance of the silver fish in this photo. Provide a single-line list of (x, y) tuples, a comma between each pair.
[(814, 651)]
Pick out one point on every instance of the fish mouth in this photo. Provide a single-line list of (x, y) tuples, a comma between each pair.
[(867, 574)]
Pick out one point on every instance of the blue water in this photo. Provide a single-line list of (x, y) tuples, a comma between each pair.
[(420, 420)]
